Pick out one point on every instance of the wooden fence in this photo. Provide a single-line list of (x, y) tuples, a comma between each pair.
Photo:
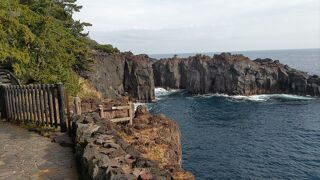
[(107, 112), (129, 118), (42, 105)]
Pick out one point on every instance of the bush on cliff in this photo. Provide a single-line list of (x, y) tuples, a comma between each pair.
[(106, 48)]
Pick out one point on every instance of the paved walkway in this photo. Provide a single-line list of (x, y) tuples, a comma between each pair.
[(27, 155)]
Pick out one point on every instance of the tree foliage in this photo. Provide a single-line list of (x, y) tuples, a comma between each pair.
[(41, 41), (106, 48)]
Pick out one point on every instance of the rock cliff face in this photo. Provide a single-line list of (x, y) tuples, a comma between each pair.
[(107, 74), (233, 75), (127, 74), (121, 74), (138, 77)]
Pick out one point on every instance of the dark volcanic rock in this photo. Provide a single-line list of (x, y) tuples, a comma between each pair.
[(115, 75), (107, 74), (138, 75), (234, 75)]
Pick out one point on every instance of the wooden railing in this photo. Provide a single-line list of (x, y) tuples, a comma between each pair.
[(129, 107), (102, 111), (42, 105)]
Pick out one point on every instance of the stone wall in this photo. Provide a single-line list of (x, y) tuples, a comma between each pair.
[(103, 154)]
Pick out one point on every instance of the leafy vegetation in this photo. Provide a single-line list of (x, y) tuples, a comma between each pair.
[(42, 43), (106, 48)]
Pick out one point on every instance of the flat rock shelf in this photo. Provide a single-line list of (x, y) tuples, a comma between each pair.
[(27, 155)]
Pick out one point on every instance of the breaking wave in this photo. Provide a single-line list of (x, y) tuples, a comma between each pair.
[(161, 92), (259, 98), (148, 105)]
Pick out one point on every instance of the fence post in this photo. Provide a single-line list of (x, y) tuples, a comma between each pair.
[(49, 95), (24, 104), (101, 112), (12, 99), (29, 114), (77, 105), (6, 102), (68, 112), (131, 112), (45, 105), (34, 104), (63, 123), (38, 109)]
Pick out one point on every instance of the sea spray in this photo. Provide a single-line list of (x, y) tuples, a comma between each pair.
[(256, 98), (161, 92)]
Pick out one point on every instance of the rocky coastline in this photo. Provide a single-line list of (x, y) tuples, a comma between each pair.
[(233, 75), (105, 150), (151, 147), (136, 76)]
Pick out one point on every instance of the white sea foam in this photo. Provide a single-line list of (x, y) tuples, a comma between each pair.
[(161, 92), (148, 105), (259, 98)]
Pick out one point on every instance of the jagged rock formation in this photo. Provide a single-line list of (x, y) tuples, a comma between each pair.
[(233, 75), (103, 154), (126, 74), (138, 77), (115, 75)]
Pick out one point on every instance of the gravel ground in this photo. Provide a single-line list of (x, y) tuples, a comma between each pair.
[(27, 155)]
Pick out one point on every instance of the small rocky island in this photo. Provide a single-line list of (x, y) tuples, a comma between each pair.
[(137, 76), (233, 75)]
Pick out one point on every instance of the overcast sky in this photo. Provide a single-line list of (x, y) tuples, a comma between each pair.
[(182, 26)]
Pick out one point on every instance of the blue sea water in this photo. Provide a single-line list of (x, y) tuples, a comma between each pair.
[(255, 137)]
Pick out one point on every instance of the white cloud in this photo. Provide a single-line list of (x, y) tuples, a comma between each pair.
[(161, 26)]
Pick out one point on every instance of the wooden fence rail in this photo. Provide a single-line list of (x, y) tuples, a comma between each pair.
[(42, 105), (128, 107), (107, 112)]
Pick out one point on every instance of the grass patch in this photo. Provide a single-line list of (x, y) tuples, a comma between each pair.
[(87, 90), (144, 142), (42, 130)]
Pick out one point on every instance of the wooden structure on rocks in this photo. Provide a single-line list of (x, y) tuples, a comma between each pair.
[(128, 107), (103, 111)]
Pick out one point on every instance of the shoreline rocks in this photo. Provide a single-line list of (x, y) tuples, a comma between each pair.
[(233, 75), (148, 149), (103, 154), (136, 76)]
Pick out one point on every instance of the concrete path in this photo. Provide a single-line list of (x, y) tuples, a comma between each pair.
[(27, 155)]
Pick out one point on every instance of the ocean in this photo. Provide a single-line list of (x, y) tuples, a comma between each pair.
[(254, 137)]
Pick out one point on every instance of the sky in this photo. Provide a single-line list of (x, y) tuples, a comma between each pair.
[(192, 26)]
